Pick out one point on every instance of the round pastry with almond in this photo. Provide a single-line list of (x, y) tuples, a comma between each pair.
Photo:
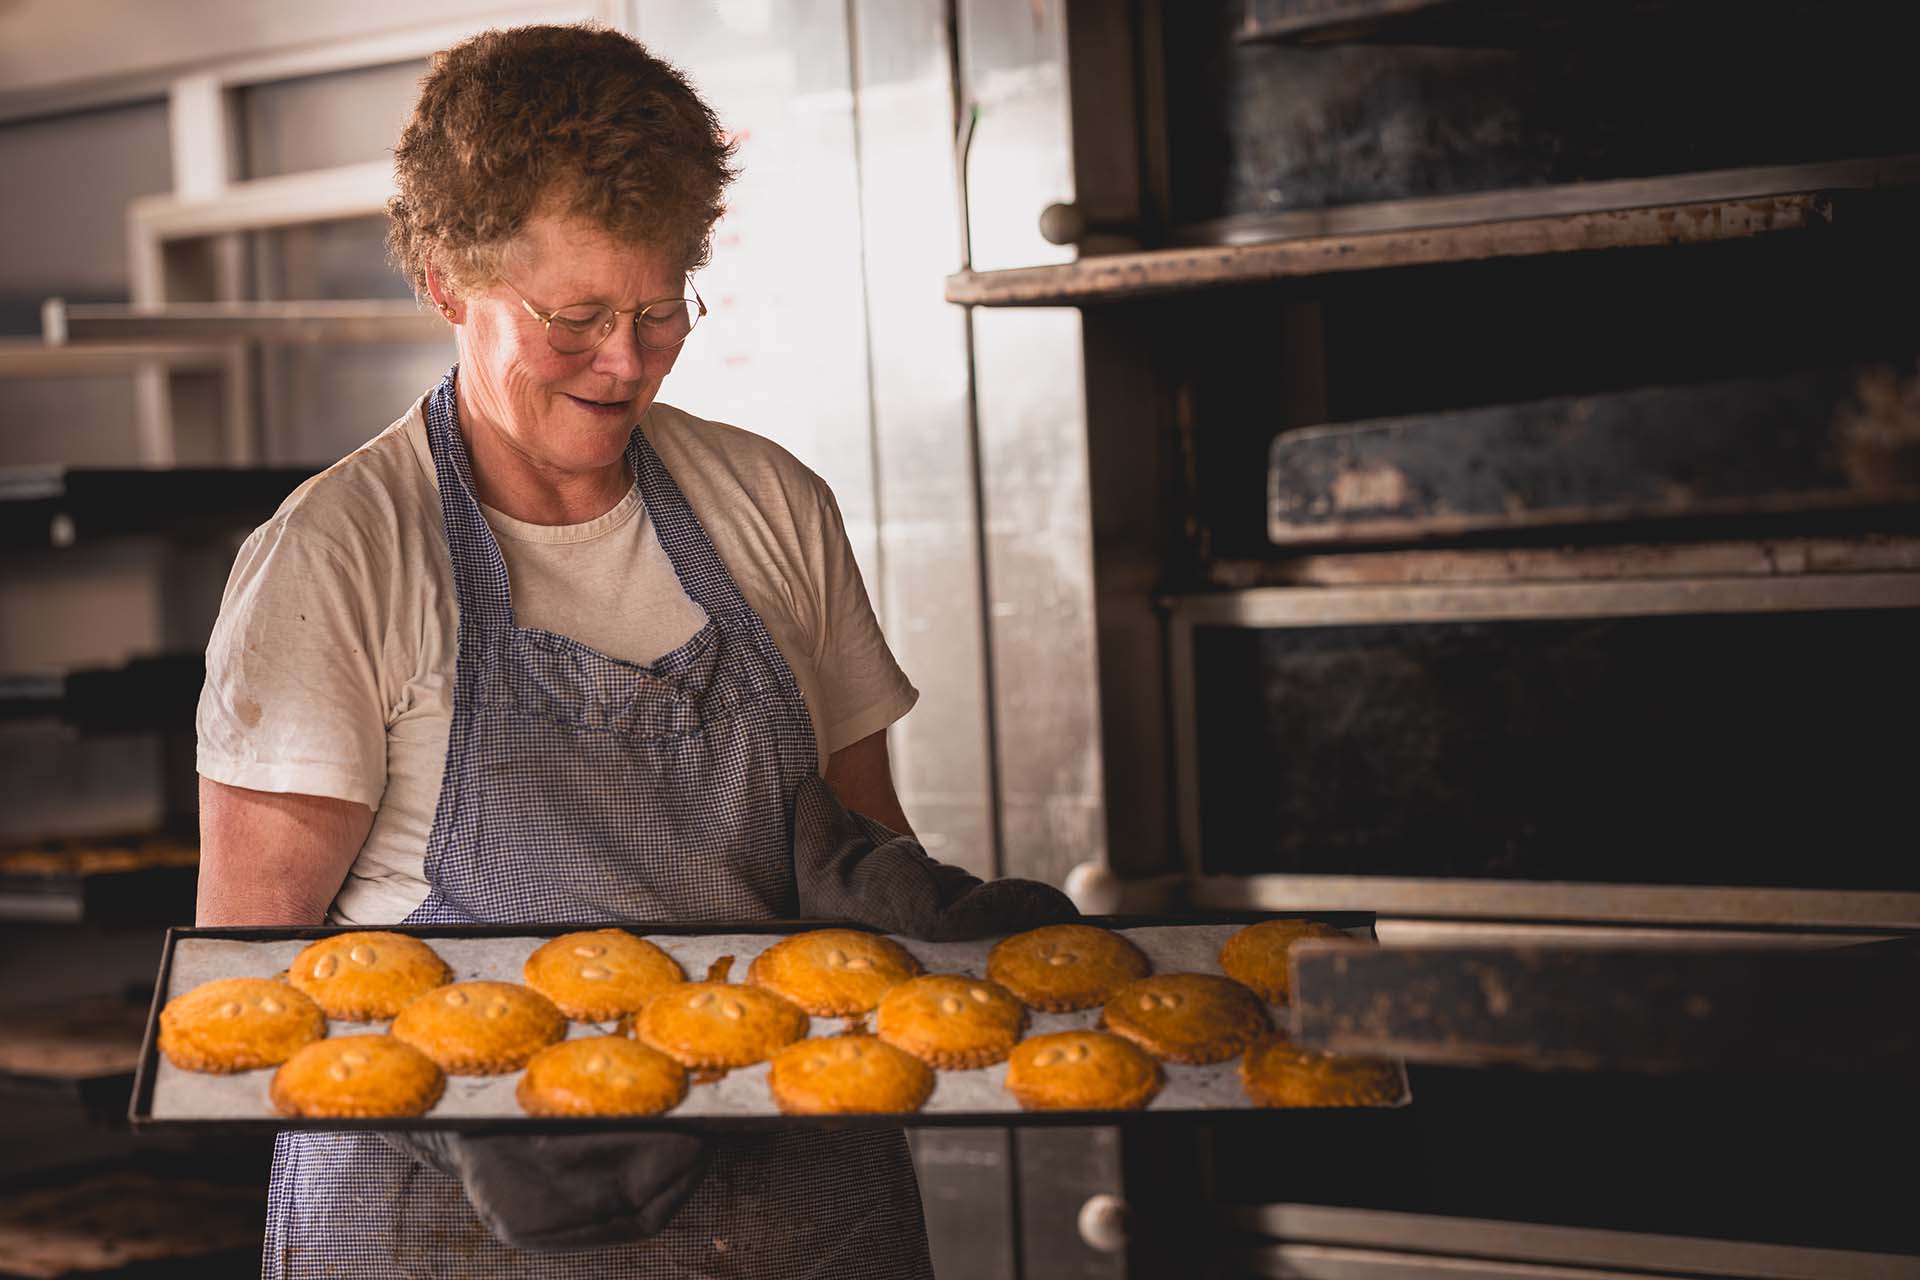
[(1063, 967), (601, 1076), (719, 1024), (1081, 1071), (1256, 957), (601, 974), (833, 973), (841, 1075), (238, 1024), (951, 1022), (480, 1028), (1187, 1017), (367, 976), (1279, 1073), (369, 1075)]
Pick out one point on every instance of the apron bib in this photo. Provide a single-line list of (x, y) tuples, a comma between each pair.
[(583, 789)]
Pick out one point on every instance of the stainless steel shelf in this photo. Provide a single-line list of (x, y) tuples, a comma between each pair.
[(34, 358), (1462, 602), (180, 323), (1113, 277)]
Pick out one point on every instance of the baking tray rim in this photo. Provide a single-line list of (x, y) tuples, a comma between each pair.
[(141, 1120)]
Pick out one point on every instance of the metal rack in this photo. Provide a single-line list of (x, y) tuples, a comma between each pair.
[(1214, 338)]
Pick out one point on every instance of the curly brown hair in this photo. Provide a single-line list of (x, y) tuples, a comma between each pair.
[(576, 120)]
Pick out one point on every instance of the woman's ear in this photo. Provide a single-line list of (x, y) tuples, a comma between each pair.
[(447, 305)]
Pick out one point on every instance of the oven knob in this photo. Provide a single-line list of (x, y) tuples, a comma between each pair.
[(1103, 1223), (1094, 889)]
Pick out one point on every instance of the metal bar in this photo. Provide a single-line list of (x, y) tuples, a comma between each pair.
[(349, 191), (1581, 1246), (1334, 1262), (32, 358), (1364, 606), (41, 908), (1758, 557), (1560, 900), (1182, 701), (1117, 276), (1562, 199), (1404, 932), (215, 322)]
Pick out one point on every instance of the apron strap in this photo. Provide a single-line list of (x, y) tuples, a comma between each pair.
[(698, 565), (479, 571)]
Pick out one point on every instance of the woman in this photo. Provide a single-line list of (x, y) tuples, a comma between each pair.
[(583, 650)]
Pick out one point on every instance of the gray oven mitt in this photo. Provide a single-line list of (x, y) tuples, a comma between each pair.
[(850, 867), (555, 1192), (568, 1191)]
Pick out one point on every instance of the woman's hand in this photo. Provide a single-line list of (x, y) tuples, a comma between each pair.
[(271, 858)]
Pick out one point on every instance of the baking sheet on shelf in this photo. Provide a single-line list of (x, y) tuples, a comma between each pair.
[(167, 1095)]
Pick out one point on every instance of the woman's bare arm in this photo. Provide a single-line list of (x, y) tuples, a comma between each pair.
[(268, 858), (861, 776)]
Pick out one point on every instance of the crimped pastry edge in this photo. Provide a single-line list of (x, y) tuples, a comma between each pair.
[(925, 1092), (180, 1056), (592, 1013), (1039, 1005), (1134, 1101), (630, 1027), (528, 1100), (275, 1096), (577, 1012), (1267, 994), (959, 1060), (363, 1012), (1234, 1046), (758, 977)]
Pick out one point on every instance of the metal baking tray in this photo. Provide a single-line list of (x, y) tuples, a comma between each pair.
[(167, 1099)]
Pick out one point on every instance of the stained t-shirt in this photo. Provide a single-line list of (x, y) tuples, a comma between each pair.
[(331, 668)]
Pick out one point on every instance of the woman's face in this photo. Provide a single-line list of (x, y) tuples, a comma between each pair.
[(563, 415)]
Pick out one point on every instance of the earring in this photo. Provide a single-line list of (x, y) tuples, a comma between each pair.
[(446, 309)]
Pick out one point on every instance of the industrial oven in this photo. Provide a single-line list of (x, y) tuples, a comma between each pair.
[(1502, 429)]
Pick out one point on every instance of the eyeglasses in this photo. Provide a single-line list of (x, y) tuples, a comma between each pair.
[(658, 326)]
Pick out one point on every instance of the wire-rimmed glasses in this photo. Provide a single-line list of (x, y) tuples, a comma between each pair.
[(658, 326)]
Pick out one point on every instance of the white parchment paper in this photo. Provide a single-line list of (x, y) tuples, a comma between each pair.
[(191, 1095)]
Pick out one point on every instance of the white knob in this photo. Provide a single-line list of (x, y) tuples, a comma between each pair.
[(1103, 1223), (1094, 889)]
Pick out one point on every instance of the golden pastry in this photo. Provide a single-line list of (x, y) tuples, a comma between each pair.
[(1256, 957), (480, 1028), (951, 1022), (237, 1024), (1081, 1071), (1278, 1073), (357, 1076), (832, 973), (601, 1076), (601, 974), (1063, 967), (367, 976), (719, 1024), (843, 1074), (1187, 1017)]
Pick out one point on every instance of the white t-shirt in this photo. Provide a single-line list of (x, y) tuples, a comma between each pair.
[(331, 668)]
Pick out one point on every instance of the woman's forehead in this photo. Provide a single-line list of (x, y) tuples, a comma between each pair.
[(573, 256)]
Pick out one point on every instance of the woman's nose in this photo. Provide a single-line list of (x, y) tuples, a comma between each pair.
[(621, 355)]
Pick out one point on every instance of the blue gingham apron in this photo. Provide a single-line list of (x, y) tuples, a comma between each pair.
[(580, 788)]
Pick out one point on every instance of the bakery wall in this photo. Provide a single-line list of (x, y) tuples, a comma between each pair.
[(955, 446)]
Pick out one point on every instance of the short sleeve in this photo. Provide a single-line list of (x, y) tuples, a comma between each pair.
[(862, 688), (292, 700)]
